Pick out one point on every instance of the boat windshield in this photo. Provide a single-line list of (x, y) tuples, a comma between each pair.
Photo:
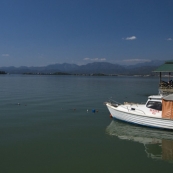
[(154, 105)]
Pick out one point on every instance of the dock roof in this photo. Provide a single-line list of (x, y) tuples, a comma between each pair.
[(167, 67)]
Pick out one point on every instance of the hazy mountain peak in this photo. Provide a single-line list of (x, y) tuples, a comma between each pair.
[(95, 67)]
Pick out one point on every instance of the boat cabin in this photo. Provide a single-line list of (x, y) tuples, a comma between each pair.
[(154, 102), (165, 70), (163, 104)]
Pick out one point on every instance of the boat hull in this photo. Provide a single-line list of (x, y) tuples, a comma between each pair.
[(140, 119)]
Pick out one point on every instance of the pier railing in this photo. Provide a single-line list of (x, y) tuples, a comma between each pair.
[(166, 87)]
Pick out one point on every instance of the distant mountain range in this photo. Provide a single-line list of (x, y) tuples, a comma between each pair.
[(91, 68)]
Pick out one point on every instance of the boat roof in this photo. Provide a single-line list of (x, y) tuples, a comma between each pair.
[(155, 97), (168, 97), (167, 67)]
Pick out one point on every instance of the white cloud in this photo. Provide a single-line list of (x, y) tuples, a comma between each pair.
[(136, 60), (86, 59), (169, 39), (94, 59), (5, 55), (130, 38)]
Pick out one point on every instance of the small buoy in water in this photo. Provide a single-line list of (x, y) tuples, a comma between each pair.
[(87, 110), (18, 103), (93, 110)]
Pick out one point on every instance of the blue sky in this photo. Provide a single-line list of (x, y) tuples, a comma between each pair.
[(39, 33)]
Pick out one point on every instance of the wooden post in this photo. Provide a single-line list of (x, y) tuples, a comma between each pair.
[(160, 76)]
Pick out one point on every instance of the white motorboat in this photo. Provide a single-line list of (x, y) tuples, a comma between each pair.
[(157, 112)]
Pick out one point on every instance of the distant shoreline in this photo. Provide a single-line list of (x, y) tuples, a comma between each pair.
[(3, 72), (93, 74)]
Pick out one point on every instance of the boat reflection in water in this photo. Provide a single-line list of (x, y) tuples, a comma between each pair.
[(158, 143)]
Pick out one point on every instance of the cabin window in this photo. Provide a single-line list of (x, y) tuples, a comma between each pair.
[(154, 105)]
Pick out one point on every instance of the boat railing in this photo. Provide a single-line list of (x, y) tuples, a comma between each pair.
[(116, 104)]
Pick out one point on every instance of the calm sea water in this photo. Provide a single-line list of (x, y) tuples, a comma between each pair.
[(47, 125)]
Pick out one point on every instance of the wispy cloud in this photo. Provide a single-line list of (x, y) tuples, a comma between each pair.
[(94, 59), (130, 38), (169, 39), (136, 60), (5, 55), (86, 59)]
